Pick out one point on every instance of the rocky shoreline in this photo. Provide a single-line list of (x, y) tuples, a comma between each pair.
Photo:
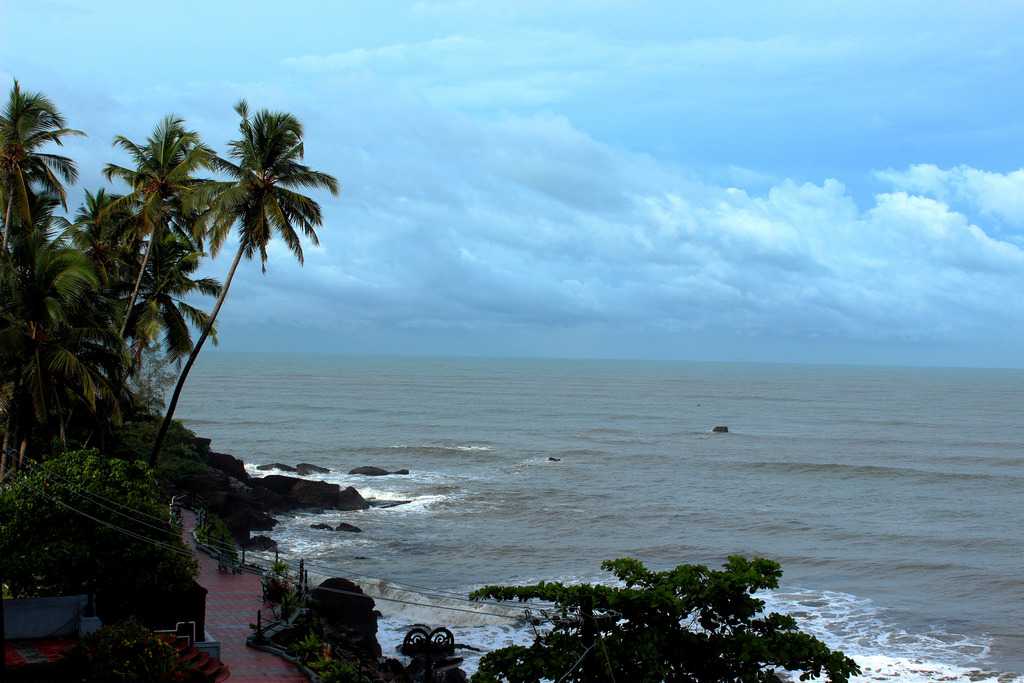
[(248, 504)]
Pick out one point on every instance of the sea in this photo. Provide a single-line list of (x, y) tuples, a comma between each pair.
[(892, 497)]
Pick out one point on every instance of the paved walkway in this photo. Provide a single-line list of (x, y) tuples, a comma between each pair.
[(231, 606)]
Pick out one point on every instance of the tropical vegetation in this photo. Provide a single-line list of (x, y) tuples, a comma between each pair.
[(101, 305), (689, 624)]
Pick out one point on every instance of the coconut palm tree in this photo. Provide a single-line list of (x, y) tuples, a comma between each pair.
[(29, 122), (58, 351), (260, 201), (163, 185), (161, 311), (102, 230)]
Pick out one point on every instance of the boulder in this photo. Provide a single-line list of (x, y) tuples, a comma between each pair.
[(324, 527), (201, 444), (260, 543), (228, 464), (276, 466), (304, 468), (349, 499), (554, 460), (348, 614), (720, 429), (304, 493), (345, 526), (370, 471)]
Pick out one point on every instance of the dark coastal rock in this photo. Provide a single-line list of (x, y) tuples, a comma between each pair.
[(228, 464), (345, 526), (305, 468), (241, 507), (260, 542), (349, 499), (201, 444), (554, 460), (370, 471), (720, 429), (304, 493), (324, 527), (276, 466), (348, 614)]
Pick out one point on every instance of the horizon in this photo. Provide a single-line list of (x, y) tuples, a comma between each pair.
[(214, 353), (729, 183)]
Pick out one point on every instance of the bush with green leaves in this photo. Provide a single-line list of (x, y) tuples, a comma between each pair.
[(214, 532), (690, 624), (51, 546), (128, 651), (339, 671)]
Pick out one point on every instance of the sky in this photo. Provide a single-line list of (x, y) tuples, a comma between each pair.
[(741, 181)]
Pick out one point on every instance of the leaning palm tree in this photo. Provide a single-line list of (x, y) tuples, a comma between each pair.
[(28, 123), (163, 184), (260, 200)]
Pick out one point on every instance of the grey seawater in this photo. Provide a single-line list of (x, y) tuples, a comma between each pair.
[(892, 497)]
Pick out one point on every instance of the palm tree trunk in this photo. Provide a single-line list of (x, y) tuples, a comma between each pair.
[(165, 425), (7, 223), (138, 283)]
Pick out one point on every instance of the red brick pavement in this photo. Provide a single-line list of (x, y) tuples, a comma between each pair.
[(231, 605)]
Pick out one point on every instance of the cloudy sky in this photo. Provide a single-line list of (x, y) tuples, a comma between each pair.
[(824, 182)]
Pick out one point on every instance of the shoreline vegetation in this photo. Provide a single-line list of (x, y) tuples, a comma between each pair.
[(96, 327)]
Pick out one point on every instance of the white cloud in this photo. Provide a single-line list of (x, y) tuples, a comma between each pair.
[(998, 195)]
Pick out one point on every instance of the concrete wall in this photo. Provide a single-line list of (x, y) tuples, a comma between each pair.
[(44, 617)]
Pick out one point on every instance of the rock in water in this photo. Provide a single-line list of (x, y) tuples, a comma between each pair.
[(324, 527), (370, 471), (306, 468), (276, 466), (554, 460), (305, 493), (345, 526), (720, 429)]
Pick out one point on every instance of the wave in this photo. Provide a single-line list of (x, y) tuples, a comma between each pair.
[(868, 471)]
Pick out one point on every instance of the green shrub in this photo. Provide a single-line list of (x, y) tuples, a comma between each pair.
[(127, 651), (338, 671), (48, 548), (690, 623), (308, 648), (216, 533)]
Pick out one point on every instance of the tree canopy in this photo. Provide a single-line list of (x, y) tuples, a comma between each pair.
[(690, 624)]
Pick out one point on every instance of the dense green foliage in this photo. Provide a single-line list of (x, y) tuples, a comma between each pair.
[(690, 624), (50, 546), (97, 313), (127, 651)]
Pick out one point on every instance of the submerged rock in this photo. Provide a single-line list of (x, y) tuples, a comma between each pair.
[(554, 460), (720, 429), (306, 468), (370, 471), (345, 526), (276, 466), (322, 526), (376, 503)]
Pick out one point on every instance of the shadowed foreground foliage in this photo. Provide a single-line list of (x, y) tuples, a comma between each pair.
[(690, 624), (49, 546)]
